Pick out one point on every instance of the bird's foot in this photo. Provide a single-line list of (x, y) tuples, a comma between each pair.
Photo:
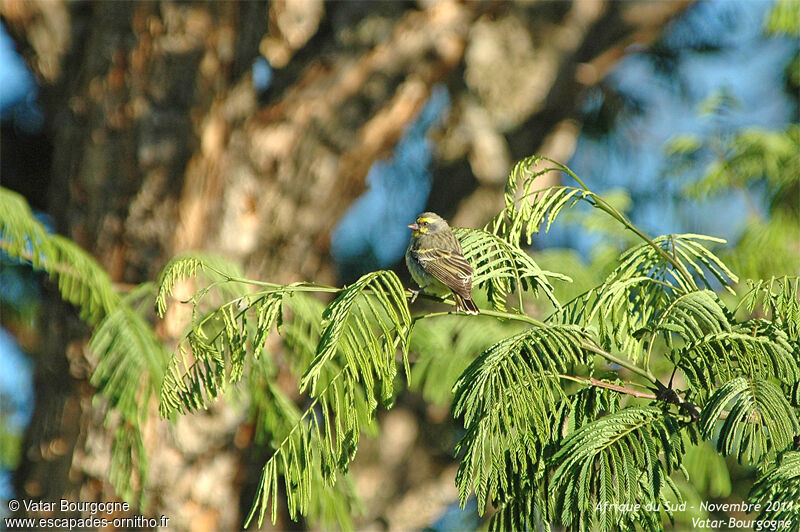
[(414, 294)]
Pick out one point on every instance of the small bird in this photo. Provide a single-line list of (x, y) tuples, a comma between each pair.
[(436, 262)]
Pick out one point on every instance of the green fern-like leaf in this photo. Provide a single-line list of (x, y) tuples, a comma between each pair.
[(629, 302), (505, 397), (616, 460), (780, 300), (501, 267), (546, 446), (131, 359), (528, 206), (129, 356), (361, 333), (753, 349), (318, 444), (129, 370), (778, 492), (365, 324), (311, 492), (692, 316), (23, 236), (758, 423), (213, 353), (686, 250), (80, 280), (584, 406), (188, 266), (303, 329), (618, 308), (518, 514)]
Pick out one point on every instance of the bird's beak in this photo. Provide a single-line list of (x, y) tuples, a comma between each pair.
[(414, 226)]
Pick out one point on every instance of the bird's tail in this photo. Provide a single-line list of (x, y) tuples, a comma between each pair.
[(465, 305)]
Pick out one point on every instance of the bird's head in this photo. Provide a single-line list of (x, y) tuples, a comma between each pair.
[(426, 223)]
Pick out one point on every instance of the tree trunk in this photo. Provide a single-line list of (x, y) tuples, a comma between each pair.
[(161, 145)]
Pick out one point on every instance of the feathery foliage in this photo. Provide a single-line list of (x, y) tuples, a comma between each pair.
[(566, 423), (569, 422), (752, 349), (759, 421), (778, 491), (780, 301), (528, 206), (283, 427), (505, 397), (347, 354), (80, 280), (365, 324), (625, 307), (501, 268), (218, 343), (361, 332), (129, 358), (617, 457)]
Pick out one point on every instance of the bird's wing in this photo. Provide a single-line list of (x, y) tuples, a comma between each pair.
[(450, 268)]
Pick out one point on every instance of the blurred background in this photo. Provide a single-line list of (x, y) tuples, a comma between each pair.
[(299, 138)]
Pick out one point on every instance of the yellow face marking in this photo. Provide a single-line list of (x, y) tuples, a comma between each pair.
[(425, 220)]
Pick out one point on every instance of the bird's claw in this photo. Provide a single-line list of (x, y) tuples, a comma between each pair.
[(414, 294)]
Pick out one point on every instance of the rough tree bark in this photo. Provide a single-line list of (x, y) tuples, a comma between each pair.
[(161, 145)]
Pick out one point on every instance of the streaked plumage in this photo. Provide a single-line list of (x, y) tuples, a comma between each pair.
[(436, 261)]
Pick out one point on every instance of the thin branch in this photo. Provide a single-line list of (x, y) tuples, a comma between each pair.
[(598, 202), (666, 395), (620, 362), (608, 208), (603, 384), (483, 312)]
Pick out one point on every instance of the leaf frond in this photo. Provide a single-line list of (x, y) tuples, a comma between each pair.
[(188, 266), (505, 397), (279, 425), (360, 334), (755, 420), (618, 308), (501, 267), (752, 349), (612, 464), (528, 205), (778, 490), (687, 250), (627, 304), (129, 356), (780, 301), (80, 280), (365, 324), (213, 352)]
